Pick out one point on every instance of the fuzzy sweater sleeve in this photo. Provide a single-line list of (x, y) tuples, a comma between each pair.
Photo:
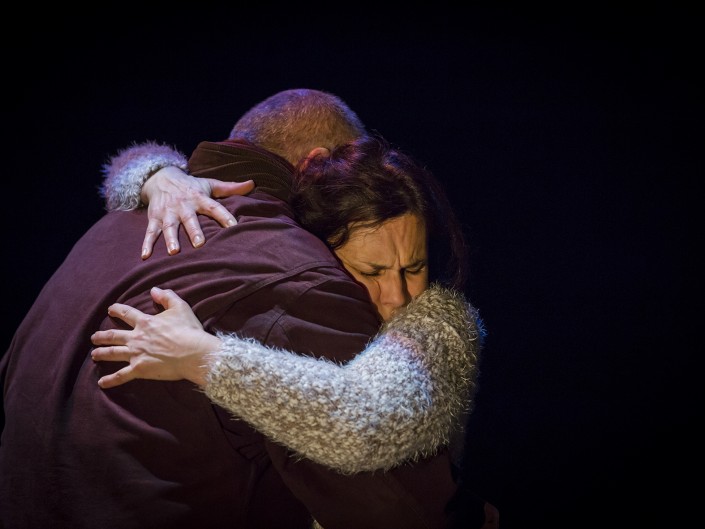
[(126, 172), (401, 398)]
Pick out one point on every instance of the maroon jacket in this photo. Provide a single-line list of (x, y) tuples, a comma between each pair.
[(159, 454)]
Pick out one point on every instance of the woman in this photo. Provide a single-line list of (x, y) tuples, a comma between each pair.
[(407, 394)]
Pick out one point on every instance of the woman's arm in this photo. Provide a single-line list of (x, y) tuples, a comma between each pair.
[(126, 172), (402, 398), (156, 175)]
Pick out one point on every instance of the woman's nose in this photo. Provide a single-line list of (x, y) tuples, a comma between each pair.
[(395, 293)]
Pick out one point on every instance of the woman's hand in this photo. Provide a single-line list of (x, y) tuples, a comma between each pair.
[(175, 197), (171, 345)]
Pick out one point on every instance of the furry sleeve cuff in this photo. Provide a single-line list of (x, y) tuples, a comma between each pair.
[(400, 399), (126, 172)]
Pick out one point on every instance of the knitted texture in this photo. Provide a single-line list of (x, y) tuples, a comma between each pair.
[(126, 172), (402, 398)]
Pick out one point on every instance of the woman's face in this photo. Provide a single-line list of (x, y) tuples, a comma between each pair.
[(391, 260)]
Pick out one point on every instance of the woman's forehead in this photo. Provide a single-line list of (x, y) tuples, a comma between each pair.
[(397, 242)]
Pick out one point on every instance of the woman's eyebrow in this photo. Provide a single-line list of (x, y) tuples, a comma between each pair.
[(377, 267)]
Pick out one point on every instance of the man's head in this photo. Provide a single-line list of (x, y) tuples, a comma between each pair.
[(294, 122)]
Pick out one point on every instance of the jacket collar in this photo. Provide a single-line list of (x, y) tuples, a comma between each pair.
[(238, 161)]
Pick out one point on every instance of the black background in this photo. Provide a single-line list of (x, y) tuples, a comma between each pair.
[(566, 139)]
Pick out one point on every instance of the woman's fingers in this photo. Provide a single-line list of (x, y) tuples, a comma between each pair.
[(114, 354), (123, 312), (154, 229), (193, 228), (166, 297), (111, 353), (169, 345), (110, 337), (170, 229), (220, 189), (118, 378), (176, 199)]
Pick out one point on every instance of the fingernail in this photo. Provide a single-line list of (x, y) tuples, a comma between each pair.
[(197, 240), (232, 222), (145, 252), (172, 248)]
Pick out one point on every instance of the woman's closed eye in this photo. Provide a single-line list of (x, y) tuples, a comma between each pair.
[(410, 271), (415, 270)]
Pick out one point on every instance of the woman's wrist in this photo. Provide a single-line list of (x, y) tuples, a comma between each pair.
[(125, 173), (198, 365)]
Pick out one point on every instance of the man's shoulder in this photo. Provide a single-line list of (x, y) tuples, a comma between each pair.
[(322, 311), (267, 230)]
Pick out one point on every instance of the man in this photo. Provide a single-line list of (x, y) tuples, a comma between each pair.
[(154, 454)]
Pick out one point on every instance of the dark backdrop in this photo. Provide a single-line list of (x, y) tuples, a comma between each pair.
[(567, 141)]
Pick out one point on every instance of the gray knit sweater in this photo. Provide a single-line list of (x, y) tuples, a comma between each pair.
[(404, 397), (124, 173)]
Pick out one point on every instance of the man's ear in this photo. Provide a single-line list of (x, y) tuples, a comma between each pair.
[(315, 153)]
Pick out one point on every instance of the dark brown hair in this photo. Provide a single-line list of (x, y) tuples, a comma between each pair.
[(367, 182)]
